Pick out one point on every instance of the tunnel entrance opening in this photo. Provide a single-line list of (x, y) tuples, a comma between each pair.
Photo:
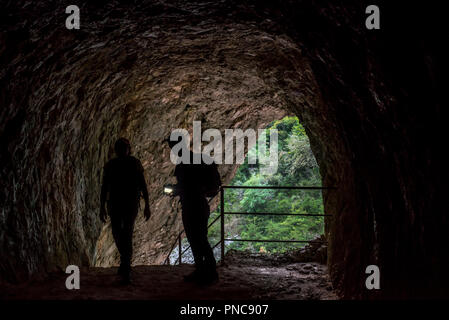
[(296, 166)]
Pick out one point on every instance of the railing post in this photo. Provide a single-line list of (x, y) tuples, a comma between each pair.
[(180, 248), (222, 223)]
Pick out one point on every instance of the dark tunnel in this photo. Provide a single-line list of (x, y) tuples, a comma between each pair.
[(370, 101)]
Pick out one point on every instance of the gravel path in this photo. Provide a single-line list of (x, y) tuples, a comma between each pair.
[(242, 277)]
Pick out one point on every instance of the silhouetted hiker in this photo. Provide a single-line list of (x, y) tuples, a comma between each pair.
[(123, 184), (195, 182)]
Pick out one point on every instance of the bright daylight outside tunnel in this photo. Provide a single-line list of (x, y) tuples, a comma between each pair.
[(358, 112), (296, 166)]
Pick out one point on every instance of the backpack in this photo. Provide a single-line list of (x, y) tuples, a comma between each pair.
[(211, 179)]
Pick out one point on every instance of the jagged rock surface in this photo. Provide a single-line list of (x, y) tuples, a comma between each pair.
[(368, 100)]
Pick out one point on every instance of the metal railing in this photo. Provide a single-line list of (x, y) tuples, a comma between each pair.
[(222, 221)]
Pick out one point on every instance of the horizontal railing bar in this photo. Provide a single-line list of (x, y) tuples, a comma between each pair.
[(267, 240), (277, 187), (280, 214)]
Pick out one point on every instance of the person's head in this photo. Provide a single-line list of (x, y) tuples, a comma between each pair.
[(122, 147)]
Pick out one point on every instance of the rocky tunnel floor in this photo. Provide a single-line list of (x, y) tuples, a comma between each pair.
[(243, 277)]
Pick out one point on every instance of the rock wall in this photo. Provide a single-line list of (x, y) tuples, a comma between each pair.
[(369, 100)]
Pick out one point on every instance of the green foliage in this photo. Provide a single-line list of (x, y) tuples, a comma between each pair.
[(296, 167)]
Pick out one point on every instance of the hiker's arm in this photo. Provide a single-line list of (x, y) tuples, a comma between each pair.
[(144, 191), (143, 185)]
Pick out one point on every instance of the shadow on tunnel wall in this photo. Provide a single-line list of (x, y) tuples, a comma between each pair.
[(374, 115)]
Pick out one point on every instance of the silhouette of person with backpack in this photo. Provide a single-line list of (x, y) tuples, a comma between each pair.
[(195, 182), (123, 185)]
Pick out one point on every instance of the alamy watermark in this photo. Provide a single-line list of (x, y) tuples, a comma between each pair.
[(221, 149), (373, 280), (73, 20), (371, 22), (73, 280)]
